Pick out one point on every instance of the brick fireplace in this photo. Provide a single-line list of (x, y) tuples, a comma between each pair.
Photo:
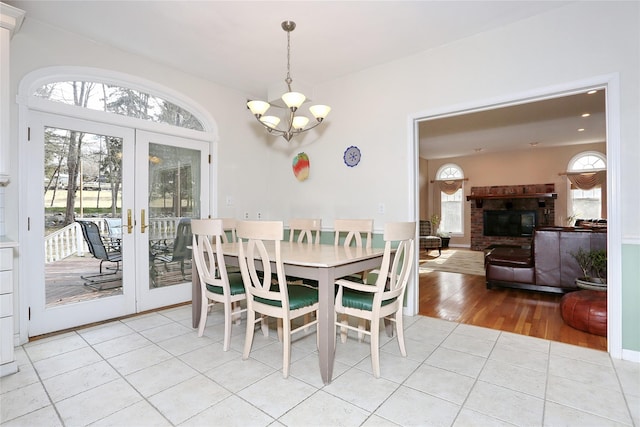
[(531, 197)]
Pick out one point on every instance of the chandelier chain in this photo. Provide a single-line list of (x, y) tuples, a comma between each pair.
[(288, 80)]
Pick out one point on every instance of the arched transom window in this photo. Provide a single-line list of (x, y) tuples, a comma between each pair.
[(120, 100)]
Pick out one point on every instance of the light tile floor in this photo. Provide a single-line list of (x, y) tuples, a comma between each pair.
[(153, 370)]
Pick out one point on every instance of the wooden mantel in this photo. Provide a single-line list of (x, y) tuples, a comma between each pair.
[(480, 197)]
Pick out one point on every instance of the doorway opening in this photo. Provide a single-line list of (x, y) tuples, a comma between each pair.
[(611, 147)]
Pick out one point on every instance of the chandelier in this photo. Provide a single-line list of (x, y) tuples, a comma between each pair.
[(295, 124)]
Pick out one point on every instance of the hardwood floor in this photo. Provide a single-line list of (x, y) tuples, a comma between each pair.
[(465, 299)]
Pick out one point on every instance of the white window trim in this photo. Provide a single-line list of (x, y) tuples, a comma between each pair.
[(584, 154), (578, 156), (462, 206)]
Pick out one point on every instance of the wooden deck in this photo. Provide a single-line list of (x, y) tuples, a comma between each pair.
[(64, 283)]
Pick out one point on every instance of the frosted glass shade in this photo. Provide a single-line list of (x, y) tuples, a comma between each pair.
[(299, 122), (258, 108), (271, 121), (320, 111), (293, 99)]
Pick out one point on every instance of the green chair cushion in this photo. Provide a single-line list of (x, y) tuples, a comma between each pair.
[(299, 296), (360, 300), (235, 284)]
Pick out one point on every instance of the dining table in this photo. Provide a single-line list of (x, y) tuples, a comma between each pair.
[(320, 262)]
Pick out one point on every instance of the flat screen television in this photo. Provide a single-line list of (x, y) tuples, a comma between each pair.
[(509, 223)]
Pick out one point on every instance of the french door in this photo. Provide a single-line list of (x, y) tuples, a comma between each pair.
[(139, 190)]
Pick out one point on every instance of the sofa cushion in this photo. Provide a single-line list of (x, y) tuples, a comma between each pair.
[(510, 257)]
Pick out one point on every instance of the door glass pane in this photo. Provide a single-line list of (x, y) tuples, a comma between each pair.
[(174, 198), (82, 209)]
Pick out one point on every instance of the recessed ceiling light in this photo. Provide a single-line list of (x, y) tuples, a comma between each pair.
[(586, 114), (534, 144), (591, 92), (477, 150), (581, 130)]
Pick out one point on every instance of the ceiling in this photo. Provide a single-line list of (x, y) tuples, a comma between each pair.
[(535, 125), (240, 44)]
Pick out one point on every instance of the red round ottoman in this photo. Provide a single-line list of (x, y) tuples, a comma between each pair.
[(585, 310)]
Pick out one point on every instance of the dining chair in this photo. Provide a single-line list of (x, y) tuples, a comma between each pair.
[(307, 230), (229, 227), (216, 284), (354, 232), (383, 298), (266, 285)]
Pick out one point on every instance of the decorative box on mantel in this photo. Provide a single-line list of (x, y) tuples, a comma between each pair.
[(509, 198)]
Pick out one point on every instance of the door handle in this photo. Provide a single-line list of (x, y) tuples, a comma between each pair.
[(143, 225), (129, 222)]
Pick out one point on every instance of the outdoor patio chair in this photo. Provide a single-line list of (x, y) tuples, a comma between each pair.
[(179, 252), (103, 252), (114, 230)]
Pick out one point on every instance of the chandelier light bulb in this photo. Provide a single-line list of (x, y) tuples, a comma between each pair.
[(299, 122), (320, 111), (258, 108), (270, 121), (293, 99)]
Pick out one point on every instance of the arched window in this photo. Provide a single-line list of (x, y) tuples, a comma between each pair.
[(587, 173), (449, 184), (116, 99)]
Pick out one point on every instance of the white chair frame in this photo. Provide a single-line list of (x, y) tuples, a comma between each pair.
[(390, 285), (212, 270), (252, 236), (308, 230)]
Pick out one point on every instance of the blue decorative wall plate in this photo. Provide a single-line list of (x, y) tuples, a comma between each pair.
[(352, 156)]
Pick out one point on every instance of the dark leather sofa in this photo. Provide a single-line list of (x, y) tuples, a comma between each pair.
[(548, 265)]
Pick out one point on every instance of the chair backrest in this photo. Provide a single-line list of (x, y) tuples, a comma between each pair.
[(229, 226), (426, 228), (91, 233), (182, 240), (114, 227), (355, 230), (308, 229), (253, 239), (396, 265), (207, 253)]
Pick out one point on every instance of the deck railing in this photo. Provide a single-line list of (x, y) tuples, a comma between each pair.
[(63, 243), (69, 241)]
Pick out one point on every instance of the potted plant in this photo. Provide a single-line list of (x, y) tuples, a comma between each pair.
[(435, 223), (435, 229), (593, 264)]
